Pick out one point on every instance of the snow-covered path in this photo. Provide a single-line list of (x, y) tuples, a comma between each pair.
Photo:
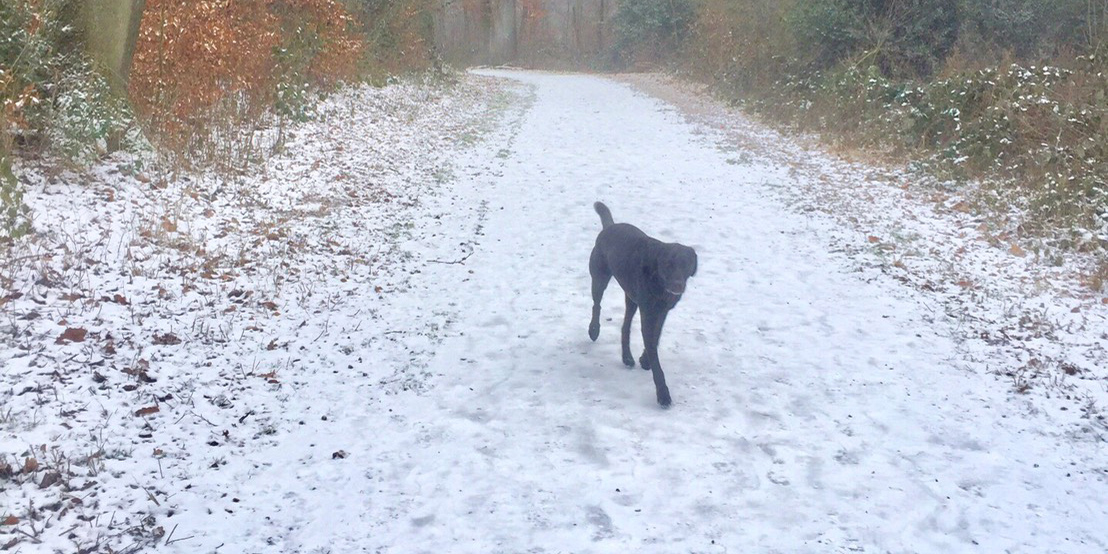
[(814, 410)]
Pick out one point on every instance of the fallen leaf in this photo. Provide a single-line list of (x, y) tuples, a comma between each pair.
[(1017, 251), (147, 411), (10, 520), (965, 283), (874, 239), (72, 334), (168, 225), (120, 299), (30, 465), (49, 480), (167, 339)]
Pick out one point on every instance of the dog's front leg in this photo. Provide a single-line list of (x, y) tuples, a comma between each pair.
[(599, 283), (651, 332), (625, 336)]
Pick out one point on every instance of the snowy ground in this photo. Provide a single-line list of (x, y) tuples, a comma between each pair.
[(378, 344)]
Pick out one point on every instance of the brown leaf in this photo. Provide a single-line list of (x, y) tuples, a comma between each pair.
[(167, 339), (30, 465), (10, 520), (147, 411), (120, 299), (1017, 251), (270, 305), (168, 225), (72, 334), (49, 480), (874, 239)]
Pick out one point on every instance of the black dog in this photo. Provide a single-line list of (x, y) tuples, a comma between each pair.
[(652, 274)]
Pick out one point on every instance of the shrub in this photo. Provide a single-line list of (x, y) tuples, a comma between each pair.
[(51, 101), (646, 30), (1030, 29), (901, 37), (742, 46), (205, 74), (398, 35)]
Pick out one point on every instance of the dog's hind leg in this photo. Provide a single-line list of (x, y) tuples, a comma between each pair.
[(600, 278), (651, 331), (625, 336)]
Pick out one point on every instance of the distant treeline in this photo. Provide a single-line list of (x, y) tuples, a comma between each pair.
[(1012, 91)]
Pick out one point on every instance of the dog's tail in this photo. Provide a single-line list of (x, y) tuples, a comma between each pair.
[(605, 214)]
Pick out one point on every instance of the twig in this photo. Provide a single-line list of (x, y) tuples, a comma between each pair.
[(148, 493), (180, 539), (461, 261)]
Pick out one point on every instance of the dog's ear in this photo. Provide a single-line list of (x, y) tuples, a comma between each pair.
[(692, 259)]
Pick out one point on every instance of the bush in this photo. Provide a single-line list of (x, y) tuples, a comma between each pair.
[(398, 35), (51, 101), (647, 30), (54, 101), (206, 74), (742, 46), (1030, 29), (922, 77), (901, 37)]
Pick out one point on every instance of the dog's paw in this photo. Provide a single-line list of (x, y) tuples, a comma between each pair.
[(594, 330), (628, 360), (644, 362), (663, 398)]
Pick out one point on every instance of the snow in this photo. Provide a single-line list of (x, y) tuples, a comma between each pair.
[(423, 380)]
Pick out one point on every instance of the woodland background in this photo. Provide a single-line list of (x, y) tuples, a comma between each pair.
[(1012, 92)]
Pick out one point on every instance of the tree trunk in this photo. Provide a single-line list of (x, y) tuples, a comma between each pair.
[(111, 29)]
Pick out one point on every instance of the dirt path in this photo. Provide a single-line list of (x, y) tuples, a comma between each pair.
[(818, 407)]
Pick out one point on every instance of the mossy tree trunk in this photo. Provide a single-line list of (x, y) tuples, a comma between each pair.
[(111, 28)]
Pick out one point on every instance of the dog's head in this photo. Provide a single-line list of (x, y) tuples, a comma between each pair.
[(675, 266)]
